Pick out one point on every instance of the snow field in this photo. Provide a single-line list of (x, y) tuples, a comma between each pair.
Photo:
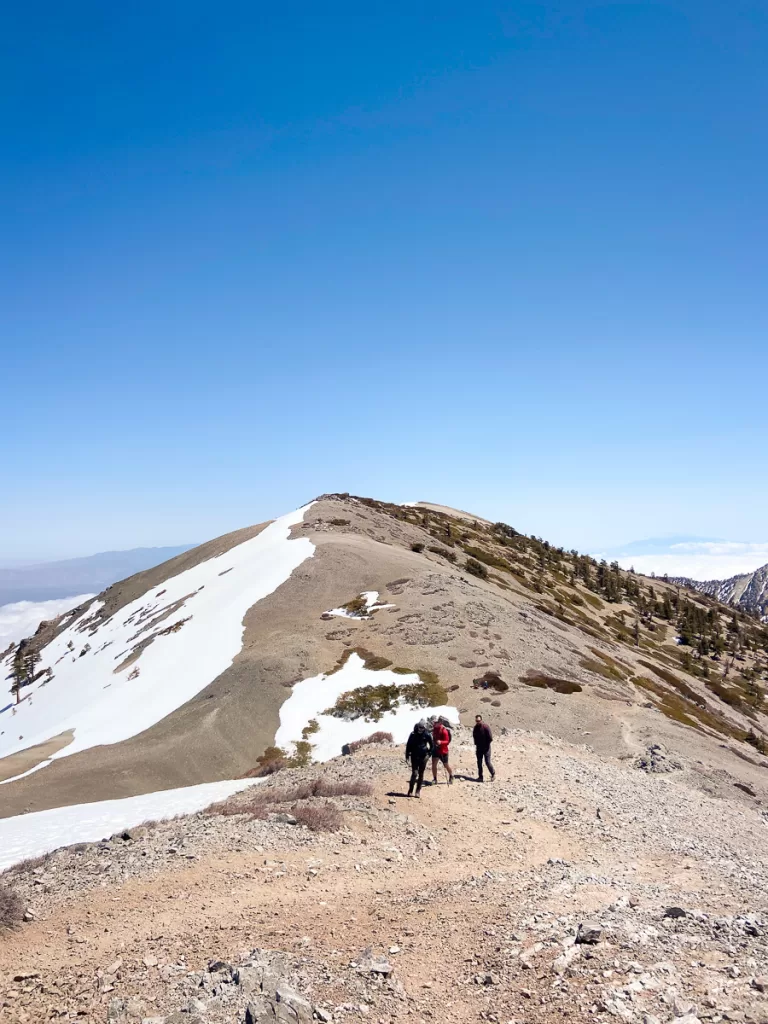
[(32, 835), (197, 640), (311, 697)]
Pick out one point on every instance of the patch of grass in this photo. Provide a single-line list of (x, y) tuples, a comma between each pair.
[(310, 728), (542, 681), (594, 601), (418, 547), (684, 712), (373, 662), (671, 679), (486, 557), (443, 552), (732, 698), (757, 741), (604, 666), (357, 606), (11, 908), (476, 568), (339, 522)]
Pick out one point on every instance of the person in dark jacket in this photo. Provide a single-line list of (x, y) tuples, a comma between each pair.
[(417, 751), (483, 738)]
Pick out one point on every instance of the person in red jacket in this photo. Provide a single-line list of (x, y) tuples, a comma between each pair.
[(441, 741)]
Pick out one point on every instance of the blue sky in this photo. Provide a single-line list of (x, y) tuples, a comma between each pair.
[(507, 257)]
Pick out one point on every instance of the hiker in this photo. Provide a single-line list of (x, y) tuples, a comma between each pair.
[(441, 740), (483, 738), (417, 751)]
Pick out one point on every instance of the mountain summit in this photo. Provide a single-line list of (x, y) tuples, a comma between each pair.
[(285, 641)]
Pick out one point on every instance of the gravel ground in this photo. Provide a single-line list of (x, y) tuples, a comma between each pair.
[(577, 886)]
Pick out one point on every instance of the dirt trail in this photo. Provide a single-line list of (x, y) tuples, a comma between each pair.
[(470, 882)]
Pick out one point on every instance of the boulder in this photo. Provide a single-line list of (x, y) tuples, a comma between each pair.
[(589, 933)]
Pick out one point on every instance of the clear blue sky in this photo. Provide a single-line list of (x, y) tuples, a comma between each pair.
[(509, 257)]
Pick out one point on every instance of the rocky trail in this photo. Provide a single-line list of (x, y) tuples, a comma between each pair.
[(576, 886)]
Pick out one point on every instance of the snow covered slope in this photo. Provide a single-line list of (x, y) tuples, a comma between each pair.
[(112, 678), (31, 835), (748, 591)]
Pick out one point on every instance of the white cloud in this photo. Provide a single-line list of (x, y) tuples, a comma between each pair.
[(701, 560), (22, 618)]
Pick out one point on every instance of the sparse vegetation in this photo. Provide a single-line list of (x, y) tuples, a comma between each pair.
[(418, 547), (357, 606), (542, 681), (371, 702), (375, 737), (325, 817), (492, 680), (443, 552), (476, 568), (11, 908), (373, 662)]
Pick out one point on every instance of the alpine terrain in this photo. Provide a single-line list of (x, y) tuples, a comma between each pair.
[(748, 591), (204, 810)]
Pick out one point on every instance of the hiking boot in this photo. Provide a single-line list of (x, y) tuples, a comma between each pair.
[(493, 776), (450, 780), (480, 778), (417, 794)]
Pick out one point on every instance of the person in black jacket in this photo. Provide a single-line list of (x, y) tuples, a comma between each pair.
[(483, 738), (418, 750)]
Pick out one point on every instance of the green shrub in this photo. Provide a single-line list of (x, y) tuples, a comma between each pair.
[(542, 681), (357, 606), (443, 552), (486, 557), (371, 702), (476, 568), (310, 728)]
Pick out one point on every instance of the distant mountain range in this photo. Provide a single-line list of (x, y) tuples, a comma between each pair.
[(90, 575), (748, 591)]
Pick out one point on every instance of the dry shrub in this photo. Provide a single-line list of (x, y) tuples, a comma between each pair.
[(375, 737), (318, 817), (260, 802), (327, 787), (11, 908)]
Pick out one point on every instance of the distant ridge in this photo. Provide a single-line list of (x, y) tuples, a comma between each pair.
[(748, 591), (91, 574)]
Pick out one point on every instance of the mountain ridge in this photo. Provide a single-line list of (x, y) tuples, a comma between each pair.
[(567, 643), (45, 581), (745, 591)]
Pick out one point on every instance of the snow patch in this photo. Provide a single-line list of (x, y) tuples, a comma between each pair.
[(192, 626), (311, 697), (371, 605), (32, 835)]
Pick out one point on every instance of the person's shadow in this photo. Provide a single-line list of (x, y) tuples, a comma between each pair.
[(466, 778)]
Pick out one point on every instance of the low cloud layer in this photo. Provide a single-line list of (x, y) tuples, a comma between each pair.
[(699, 560), (23, 617)]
